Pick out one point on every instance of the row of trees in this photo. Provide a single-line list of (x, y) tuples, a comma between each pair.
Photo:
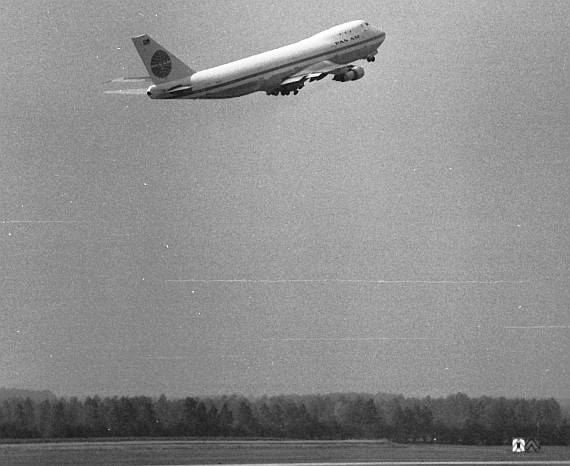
[(454, 419)]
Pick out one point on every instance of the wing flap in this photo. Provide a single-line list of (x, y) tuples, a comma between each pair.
[(294, 79)]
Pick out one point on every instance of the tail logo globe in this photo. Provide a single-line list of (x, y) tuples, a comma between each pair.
[(160, 64)]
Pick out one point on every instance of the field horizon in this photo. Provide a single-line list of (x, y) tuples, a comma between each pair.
[(206, 452)]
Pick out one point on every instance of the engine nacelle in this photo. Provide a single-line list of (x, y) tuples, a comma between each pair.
[(355, 73)]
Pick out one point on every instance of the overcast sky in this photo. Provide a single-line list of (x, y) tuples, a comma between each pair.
[(405, 233)]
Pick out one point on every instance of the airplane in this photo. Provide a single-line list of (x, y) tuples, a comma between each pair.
[(277, 72)]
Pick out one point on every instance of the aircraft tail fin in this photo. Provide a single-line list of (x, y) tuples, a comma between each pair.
[(162, 66)]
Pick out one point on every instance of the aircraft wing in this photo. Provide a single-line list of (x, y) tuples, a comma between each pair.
[(316, 72)]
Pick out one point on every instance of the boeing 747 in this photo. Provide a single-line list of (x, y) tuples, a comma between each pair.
[(281, 71)]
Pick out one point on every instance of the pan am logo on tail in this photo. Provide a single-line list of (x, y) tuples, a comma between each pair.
[(160, 64)]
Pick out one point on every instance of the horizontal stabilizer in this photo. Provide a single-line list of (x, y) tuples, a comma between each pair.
[(180, 88), (127, 91), (141, 79)]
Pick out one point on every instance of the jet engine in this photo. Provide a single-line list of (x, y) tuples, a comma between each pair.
[(355, 73)]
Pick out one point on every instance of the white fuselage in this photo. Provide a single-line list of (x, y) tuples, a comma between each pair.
[(339, 45)]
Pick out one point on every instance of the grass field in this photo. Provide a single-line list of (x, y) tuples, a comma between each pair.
[(204, 452)]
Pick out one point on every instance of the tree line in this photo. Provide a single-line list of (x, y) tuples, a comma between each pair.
[(456, 419)]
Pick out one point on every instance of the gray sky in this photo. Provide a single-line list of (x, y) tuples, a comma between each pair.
[(405, 233)]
